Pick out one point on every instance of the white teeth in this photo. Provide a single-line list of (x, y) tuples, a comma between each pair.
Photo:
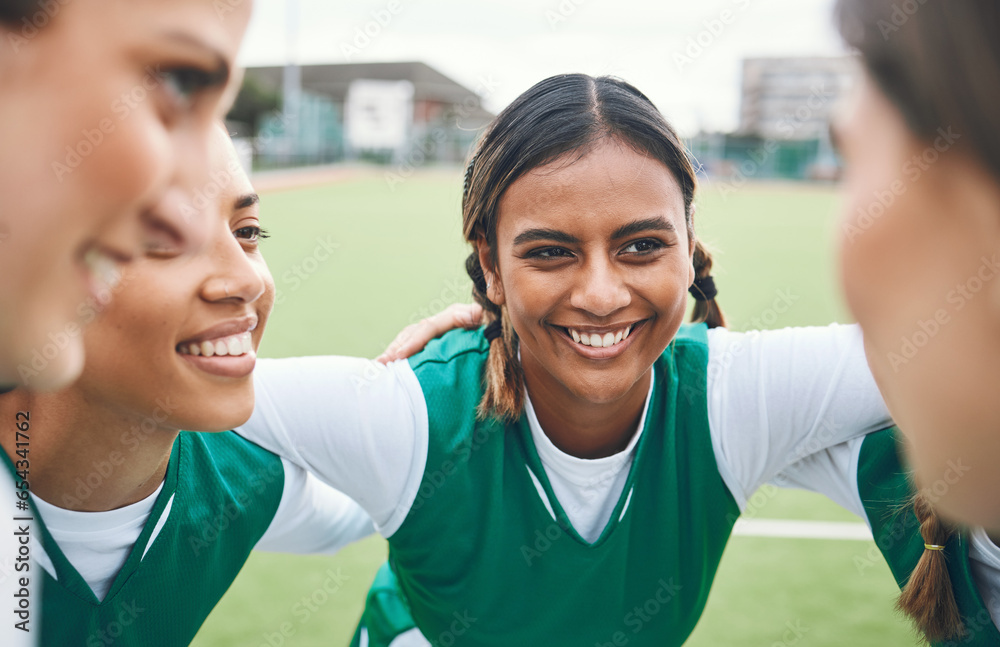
[(597, 340), (233, 346), (103, 267)]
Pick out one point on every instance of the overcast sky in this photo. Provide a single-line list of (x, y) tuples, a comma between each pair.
[(684, 55)]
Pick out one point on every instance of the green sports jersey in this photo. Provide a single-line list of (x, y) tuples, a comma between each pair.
[(886, 489), (218, 499), (481, 561)]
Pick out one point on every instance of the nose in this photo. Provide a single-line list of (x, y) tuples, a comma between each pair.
[(601, 289), (123, 238), (235, 278), (185, 213)]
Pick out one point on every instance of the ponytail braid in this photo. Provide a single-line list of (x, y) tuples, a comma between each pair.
[(928, 598), (705, 309), (503, 395)]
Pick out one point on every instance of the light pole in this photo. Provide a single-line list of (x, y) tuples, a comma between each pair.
[(291, 80)]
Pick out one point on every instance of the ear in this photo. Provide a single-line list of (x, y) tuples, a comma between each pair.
[(495, 290)]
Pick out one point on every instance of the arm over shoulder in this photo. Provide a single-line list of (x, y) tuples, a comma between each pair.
[(359, 426)]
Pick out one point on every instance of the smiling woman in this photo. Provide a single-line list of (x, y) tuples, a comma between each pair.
[(105, 117), (621, 178), (135, 514), (584, 454)]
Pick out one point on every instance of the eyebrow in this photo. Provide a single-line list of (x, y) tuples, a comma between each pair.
[(222, 72), (656, 223), (245, 201), (550, 235)]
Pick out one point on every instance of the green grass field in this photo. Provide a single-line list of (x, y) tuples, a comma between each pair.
[(398, 256)]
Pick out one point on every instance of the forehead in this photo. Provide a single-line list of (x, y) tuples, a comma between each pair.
[(226, 171), (218, 24), (607, 186)]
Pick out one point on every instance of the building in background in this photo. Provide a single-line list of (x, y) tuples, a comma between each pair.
[(387, 112), (786, 108)]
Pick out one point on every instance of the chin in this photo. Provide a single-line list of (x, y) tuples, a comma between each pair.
[(217, 414), (51, 364), (599, 389)]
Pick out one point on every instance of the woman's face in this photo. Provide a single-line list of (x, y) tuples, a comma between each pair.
[(920, 264), (105, 120), (178, 343), (593, 264)]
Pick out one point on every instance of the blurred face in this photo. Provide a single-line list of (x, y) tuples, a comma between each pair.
[(593, 262), (105, 120), (920, 262), (184, 328)]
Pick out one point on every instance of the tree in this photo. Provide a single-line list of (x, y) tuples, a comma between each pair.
[(253, 102)]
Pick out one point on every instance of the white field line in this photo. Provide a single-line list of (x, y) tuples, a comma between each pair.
[(802, 529)]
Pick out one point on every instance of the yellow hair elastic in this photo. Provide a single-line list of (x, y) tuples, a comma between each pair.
[(933, 547)]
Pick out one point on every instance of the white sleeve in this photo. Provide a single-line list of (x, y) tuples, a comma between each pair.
[(832, 472), (359, 426), (777, 396), (313, 518)]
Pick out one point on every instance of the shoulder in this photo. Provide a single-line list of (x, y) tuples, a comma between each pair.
[(230, 458), (450, 373), (457, 346), (690, 343)]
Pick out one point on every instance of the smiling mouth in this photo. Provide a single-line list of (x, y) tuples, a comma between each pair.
[(600, 339), (231, 346)]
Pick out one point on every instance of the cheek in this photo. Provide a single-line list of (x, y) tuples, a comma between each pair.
[(266, 302), (133, 164)]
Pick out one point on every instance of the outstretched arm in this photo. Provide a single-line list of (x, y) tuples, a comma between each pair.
[(313, 518), (778, 396), (359, 426)]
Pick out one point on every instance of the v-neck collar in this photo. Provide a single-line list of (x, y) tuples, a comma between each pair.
[(70, 579), (553, 506)]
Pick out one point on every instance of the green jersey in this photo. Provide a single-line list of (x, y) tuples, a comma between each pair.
[(886, 490), (223, 492), (482, 560)]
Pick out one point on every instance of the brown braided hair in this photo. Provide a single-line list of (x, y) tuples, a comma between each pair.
[(928, 597)]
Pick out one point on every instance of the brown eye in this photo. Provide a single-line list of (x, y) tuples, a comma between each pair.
[(186, 84), (644, 246), (251, 234), (549, 252)]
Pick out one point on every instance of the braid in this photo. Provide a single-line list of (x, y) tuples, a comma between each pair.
[(707, 311), (928, 597), (504, 381)]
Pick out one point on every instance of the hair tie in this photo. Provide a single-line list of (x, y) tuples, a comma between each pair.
[(933, 547), (703, 289), (494, 330)]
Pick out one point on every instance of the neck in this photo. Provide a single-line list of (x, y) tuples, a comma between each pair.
[(84, 456), (586, 429)]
